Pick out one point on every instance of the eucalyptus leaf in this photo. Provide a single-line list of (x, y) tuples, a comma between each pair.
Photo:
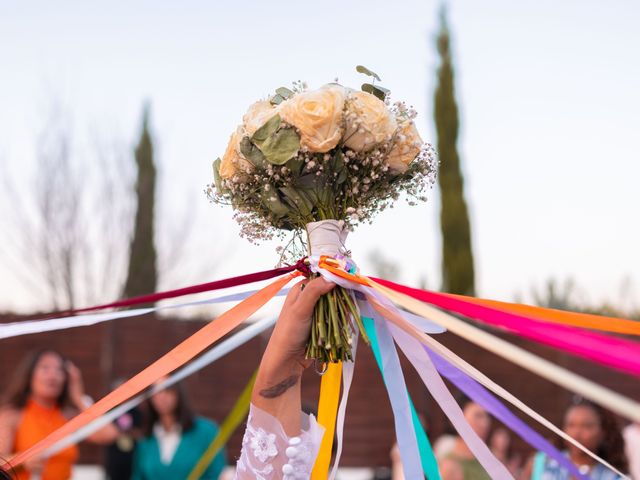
[(376, 90), (284, 92), (280, 146), (297, 200), (217, 180), (338, 161), (252, 153), (266, 130), (366, 71), (295, 165), (342, 177), (271, 200), (277, 99)]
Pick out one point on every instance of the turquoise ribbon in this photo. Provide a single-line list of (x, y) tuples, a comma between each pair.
[(427, 458)]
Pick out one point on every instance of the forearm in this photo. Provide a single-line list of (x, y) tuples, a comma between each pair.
[(278, 389)]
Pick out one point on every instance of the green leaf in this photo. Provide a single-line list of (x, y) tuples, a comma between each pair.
[(217, 180), (338, 161), (278, 145), (298, 200), (284, 92), (252, 153), (277, 99), (271, 200), (366, 71), (342, 177), (295, 165), (376, 90), (266, 130)]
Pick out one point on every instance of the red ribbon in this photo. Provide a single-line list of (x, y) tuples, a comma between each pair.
[(203, 287)]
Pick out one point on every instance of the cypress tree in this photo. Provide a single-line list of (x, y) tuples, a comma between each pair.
[(142, 276), (457, 256)]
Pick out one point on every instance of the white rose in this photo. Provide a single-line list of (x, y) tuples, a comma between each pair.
[(257, 116), (369, 123), (406, 148), (318, 116)]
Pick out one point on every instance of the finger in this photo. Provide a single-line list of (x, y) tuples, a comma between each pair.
[(313, 291), (294, 293)]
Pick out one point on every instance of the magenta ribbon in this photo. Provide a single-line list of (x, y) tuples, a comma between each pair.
[(614, 352)]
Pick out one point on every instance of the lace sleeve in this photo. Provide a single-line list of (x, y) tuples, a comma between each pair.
[(268, 453)]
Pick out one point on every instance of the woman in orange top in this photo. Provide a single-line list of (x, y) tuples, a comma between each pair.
[(46, 392)]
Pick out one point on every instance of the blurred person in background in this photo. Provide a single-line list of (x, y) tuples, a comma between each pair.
[(119, 455), (596, 429), (501, 447), (45, 392), (631, 435), (460, 463), (174, 439)]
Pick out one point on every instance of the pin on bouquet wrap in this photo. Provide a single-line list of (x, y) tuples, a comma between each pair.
[(315, 163)]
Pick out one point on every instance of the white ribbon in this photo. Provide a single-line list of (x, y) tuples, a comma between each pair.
[(327, 237), (233, 342), (26, 327)]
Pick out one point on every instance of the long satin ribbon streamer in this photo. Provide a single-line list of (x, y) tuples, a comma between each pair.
[(612, 351), (398, 397), (483, 397), (426, 311), (327, 412), (607, 398), (576, 319), (239, 338), (427, 457), (235, 417), (181, 354), (179, 292), (26, 327), (445, 400), (420, 323), (347, 378), (407, 453), (486, 381)]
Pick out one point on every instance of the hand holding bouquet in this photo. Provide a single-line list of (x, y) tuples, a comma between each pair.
[(318, 162)]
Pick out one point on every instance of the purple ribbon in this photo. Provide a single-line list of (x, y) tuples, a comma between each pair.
[(483, 397)]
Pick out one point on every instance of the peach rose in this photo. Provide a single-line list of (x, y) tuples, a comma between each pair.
[(233, 162), (405, 149), (369, 123), (317, 114)]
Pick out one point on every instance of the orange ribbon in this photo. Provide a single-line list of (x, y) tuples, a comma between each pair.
[(181, 354)]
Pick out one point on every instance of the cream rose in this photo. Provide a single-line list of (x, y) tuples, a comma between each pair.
[(233, 162), (405, 148), (257, 116), (317, 114), (369, 123)]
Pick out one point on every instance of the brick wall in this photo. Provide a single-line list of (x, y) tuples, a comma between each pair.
[(123, 347)]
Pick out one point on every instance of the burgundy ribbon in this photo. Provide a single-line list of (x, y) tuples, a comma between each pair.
[(203, 287)]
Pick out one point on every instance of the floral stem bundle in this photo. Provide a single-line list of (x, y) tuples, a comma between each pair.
[(332, 154)]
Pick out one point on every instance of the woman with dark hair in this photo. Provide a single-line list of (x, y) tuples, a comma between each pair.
[(45, 392), (596, 429), (174, 440), (460, 463)]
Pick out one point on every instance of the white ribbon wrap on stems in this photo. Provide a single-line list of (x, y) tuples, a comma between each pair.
[(327, 237)]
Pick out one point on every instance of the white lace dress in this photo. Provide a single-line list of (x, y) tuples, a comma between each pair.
[(268, 453)]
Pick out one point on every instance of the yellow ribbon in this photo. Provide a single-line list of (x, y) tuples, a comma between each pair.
[(327, 412), (233, 420)]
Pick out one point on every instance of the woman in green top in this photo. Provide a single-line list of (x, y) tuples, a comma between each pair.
[(459, 463), (174, 440)]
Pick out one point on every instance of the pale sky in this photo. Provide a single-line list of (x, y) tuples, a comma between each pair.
[(548, 93)]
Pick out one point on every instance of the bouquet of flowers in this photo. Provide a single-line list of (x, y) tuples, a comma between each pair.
[(317, 163)]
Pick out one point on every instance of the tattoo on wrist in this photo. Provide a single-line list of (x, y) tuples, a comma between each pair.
[(279, 388)]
